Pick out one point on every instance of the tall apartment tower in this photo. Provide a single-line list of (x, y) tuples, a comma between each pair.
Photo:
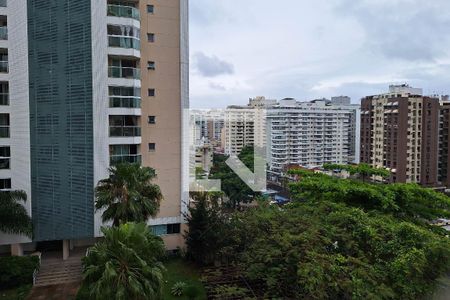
[(85, 84), (399, 132), (444, 144), (310, 134)]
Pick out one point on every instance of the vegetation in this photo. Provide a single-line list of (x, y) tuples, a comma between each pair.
[(178, 270), (17, 271), (340, 239), (128, 194), (14, 218), (232, 185), (124, 265), (178, 288), (364, 171), (204, 221), (19, 293)]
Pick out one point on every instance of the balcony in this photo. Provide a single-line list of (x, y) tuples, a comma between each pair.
[(123, 11), (133, 159), (124, 131), (122, 102), (126, 42), (124, 72)]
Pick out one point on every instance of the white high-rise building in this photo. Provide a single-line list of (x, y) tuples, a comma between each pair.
[(310, 134)]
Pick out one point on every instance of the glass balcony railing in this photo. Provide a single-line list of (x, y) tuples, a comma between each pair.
[(119, 72), (124, 131), (127, 42), (4, 67), (3, 33), (120, 101), (123, 11), (133, 159)]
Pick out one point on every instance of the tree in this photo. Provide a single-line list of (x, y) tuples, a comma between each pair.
[(125, 264), (232, 185), (205, 224), (14, 218), (406, 201), (128, 195), (364, 171)]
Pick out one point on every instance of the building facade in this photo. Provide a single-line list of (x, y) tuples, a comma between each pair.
[(86, 84), (310, 134), (444, 144), (399, 132)]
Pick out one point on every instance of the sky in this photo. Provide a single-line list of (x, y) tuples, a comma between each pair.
[(314, 49)]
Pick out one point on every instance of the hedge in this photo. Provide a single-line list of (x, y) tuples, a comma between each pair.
[(17, 271)]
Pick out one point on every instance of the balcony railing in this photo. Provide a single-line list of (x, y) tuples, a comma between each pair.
[(4, 66), (124, 131), (127, 42), (3, 33), (120, 72), (126, 102), (133, 159), (123, 11)]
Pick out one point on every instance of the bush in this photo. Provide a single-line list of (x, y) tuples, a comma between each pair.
[(178, 288), (191, 292), (17, 271)]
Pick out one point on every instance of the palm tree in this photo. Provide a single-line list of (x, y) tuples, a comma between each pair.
[(125, 264), (128, 194), (14, 218)]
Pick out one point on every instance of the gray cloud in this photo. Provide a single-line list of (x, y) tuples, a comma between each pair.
[(212, 66), (411, 30)]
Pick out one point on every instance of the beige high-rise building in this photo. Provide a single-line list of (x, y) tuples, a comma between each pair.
[(165, 66)]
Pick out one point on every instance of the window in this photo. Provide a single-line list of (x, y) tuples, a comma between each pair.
[(5, 184), (151, 37), (151, 92), (151, 120), (5, 157), (4, 125), (151, 65), (173, 228), (151, 147), (150, 9)]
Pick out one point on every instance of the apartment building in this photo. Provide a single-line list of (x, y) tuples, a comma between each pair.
[(399, 132), (85, 84), (310, 134), (444, 144), (245, 125)]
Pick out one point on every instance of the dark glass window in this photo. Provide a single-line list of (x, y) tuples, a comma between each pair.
[(173, 228), (150, 9)]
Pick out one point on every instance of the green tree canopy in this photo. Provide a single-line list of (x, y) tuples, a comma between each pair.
[(125, 264), (128, 195), (237, 191), (14, 218)]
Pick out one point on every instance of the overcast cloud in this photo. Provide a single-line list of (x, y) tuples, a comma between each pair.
[(306, 49)]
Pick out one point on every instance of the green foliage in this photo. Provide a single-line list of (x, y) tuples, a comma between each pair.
[(405, 201), (191, 292), (14, 218), (178, 288), (205, 223), (230, 291), (128, 194), (237, 191), (363, 170), (178, 270), (19, 293), (328, 250), (125, 264), (17, 271)]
